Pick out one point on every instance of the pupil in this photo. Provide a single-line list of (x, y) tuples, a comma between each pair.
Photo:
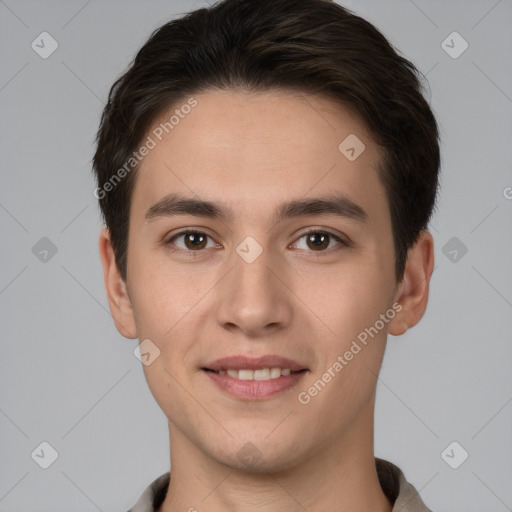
[(192, 240), (323, 238)]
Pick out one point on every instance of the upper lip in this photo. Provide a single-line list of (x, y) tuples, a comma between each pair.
[(253, 363)]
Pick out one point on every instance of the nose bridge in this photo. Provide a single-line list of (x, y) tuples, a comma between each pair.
[(253, 298)]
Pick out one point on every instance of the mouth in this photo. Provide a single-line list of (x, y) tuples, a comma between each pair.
[(254, 378), (259, 374)]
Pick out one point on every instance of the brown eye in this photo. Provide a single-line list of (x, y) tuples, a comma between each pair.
[(195, 241), (190, 241), (319, 241)]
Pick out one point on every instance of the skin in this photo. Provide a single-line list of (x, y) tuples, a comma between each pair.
[(252, 153)]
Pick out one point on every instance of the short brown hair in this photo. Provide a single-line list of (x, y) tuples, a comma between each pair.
[(313, 46)]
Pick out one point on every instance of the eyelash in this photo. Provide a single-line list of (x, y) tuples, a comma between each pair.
[(194, 254)]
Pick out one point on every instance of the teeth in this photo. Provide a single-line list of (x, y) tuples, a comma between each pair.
[(261, 374), (275, 373), (245, 374)]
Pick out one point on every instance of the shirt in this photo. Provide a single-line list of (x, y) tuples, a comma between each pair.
[(401, 493)]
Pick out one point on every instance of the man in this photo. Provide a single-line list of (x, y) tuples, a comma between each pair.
[(267, 171)]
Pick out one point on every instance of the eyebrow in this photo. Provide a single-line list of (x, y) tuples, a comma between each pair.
[(338, 205)]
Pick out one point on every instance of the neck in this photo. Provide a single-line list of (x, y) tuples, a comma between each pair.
[(338, 476)]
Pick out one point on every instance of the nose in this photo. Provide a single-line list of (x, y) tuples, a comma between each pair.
[(255, 298)]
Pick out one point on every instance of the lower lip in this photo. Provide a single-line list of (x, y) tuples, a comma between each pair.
[(254, 389)]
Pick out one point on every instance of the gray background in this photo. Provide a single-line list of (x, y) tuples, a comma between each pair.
[(68, 378)]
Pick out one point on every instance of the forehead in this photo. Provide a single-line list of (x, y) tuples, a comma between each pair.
[(253, 151)]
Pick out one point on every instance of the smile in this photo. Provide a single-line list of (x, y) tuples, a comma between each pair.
[(254, 378), (261, 374)]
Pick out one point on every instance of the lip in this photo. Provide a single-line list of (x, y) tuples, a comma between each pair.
[(254, 389)]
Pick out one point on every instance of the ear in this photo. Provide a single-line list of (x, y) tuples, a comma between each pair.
[(117, 294), (412, 293)]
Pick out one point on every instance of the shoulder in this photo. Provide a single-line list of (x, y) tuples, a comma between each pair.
[(399, 491), (153, 496)]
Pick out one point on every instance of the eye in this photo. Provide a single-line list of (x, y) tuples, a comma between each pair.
[(317, 240), (194, 241)]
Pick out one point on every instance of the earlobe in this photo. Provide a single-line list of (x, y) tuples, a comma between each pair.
[(412, 293), (115, 287)]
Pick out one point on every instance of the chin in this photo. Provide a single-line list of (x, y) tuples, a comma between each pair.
[(261, 457)]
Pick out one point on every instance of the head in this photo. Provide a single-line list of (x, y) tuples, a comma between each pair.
[(249, 124)]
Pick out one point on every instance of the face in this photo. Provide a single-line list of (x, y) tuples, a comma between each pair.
[(261, 265)]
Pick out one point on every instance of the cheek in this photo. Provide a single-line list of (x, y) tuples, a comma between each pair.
[(351, 348), (349, 298), (170, 305), (162, 294)]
